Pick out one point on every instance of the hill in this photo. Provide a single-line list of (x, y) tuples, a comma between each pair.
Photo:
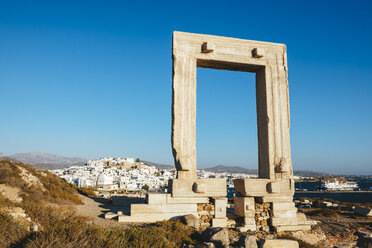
[(37, 209), (231, 169), (238, 169), (47, 161)]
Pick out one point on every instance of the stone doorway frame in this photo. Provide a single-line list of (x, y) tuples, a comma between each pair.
[(268, 61)]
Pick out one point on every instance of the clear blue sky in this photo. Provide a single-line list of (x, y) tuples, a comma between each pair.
[(93, 78)]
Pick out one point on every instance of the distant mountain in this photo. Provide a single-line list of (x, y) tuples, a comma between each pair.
[(308, 173), (238, 169), (231, 169), (159, 166), (48, 161)]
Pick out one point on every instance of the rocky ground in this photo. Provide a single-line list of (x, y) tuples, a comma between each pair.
[(37, 208), (334, 228)]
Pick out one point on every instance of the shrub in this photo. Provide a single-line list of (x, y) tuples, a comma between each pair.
[(61, 227), (11, 231)]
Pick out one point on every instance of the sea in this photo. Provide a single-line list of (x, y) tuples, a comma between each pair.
[(307, 189)]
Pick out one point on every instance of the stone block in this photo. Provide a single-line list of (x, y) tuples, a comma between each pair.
[(199, 187), (183, 188), (151, 217), (219, 222), (264, 187), (188, 200), (311, 222), (110, 215), (249, 221), (251, 187), (312, 238), (249, 241), (278, 243), (301, 218), (283, 221), (156, 198), (274, 198), (166, 208), (283, 205), (291, 228), (190, 220), (220, 207), (273, 187), (292, 213), (244, 206)]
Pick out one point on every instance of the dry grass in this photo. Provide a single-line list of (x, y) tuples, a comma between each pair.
[(61, 227), (73, 231), (57, 190)]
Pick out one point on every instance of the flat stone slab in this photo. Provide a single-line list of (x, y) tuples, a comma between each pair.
[(278, 243), (291, 228)]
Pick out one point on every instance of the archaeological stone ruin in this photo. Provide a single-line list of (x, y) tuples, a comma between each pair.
[(263, 203)]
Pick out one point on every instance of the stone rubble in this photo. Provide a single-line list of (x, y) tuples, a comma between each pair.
[(217, 235)]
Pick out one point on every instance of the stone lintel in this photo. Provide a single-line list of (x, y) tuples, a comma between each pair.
[(264, 187), (214, 187)]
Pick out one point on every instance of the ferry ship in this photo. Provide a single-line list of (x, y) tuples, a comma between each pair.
[(337, 185)]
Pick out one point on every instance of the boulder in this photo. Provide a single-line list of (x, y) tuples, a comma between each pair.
[(362, 211), (248, 241), (311, 238), (217, 235), (278, 243), (34, 228), (365, 242), (190, 220), (208, 245)]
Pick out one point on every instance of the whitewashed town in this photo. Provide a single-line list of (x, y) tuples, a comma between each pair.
[(129, 175)]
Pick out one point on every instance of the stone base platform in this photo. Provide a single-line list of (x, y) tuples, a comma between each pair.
[(183, 199), (268, 203)]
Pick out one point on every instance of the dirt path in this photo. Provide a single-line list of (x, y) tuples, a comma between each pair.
[(95, 208)]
